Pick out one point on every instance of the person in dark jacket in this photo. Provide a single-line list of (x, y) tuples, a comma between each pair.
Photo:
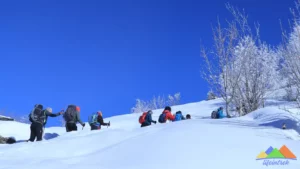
[(37, 127), (71, 121), (48, 113), (100, 122), (148, 119)]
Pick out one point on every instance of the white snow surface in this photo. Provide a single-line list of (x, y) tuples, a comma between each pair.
[(199, 143)]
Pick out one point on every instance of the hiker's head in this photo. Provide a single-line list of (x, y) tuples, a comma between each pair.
[(99, 113), (150, 112), (188, 116), (168, 108), (78, 108), (49, 109)]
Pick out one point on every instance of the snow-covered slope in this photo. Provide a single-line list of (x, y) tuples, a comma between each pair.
[(192, 144)]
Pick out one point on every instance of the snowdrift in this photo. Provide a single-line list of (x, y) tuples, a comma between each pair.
[(197, 143)]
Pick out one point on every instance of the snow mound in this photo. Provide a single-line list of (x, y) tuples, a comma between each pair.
[(274, 117)]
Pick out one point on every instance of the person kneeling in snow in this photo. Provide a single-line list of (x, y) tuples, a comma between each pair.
[(179, 116), (166, 115), (7, 140), (146, 119), (96, 121), (218, 114)]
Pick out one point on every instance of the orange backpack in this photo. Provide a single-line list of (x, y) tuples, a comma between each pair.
[(142, 118)]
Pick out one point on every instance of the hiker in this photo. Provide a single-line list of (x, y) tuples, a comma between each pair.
[(166, 115), (7, 140), (72, 116), (146, 119), (37, 118), (96, 121), (188, 116), (48, 113), (218, 114), (179, 116)]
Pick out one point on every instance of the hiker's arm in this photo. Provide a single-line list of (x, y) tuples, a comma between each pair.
[(170, 117), (100, 120), (150, 119), (52, 114), (78, 118)]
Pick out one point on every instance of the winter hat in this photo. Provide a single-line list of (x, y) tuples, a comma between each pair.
[(150, 112), (99, 113), (49, 109), (168, 108), (77, 108)]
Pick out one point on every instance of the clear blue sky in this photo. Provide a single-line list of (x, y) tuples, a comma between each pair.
[(102, 55)]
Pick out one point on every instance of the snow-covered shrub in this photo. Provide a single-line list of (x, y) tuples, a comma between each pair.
[(156, 103), (211, 95)]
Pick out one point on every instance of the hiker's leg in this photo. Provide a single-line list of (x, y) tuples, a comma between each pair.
[(94, 127), (39, 132), (32, 132)]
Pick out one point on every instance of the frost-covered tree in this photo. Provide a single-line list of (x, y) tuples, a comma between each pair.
[(141, 106), (256, 66), (290, 52), (156, 103), (211, 95), (174, 100), (241, 68), (220, 69)]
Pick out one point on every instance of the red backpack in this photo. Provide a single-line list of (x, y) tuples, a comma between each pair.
[(142, 118)]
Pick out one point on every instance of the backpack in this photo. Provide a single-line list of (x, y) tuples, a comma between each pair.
[(93, 118), (142, 118), (178, 116), (37, 114), (70, 113), (214, 115), (162, 118)]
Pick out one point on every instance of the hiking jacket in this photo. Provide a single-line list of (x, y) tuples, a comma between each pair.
[(181, 117), (47, 113), (169, 115), (148, 119), (100, 120), (221, 114)]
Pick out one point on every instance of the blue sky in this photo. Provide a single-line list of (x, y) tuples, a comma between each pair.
[(102, 55)]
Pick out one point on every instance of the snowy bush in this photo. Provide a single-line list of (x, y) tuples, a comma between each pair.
[(211, 95), (156, 103)]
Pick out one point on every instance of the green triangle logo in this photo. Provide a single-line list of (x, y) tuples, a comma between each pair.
[(275, 154)]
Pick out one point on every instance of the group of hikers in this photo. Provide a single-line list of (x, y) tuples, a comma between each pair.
[(39, 117), (146, 118)]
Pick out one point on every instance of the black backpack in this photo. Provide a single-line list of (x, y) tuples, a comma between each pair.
[(37, 115), (214, 115), (70, 113), (162, 118)]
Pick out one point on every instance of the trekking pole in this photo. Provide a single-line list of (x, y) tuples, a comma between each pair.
[(108, 123)]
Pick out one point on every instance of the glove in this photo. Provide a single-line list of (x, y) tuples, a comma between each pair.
[(83, 124), (109, 124), (154, 122)]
